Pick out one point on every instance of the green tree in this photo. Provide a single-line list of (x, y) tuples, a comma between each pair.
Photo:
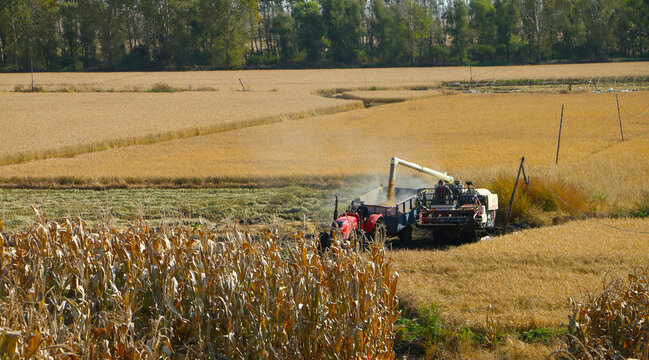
[(68, 9), (43, 34), (532, 14), (483, 21), (12, 19), (506, 19), (415, 22), (342, 22), (636, 26), (227, 30), (600, 17), (88, 11), (458, 22), (483, 25), (111, 26), (283, 29), (309, 29), (381, 26)]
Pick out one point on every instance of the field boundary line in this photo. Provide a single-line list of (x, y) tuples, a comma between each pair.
[(74, 150), (240, 182)]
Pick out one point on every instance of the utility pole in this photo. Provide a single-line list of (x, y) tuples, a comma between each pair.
[(511, 199), (619, 117), (556, 161)]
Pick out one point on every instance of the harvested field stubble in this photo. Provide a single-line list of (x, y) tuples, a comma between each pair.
[(271, 207), (527, 277), (146, 293)]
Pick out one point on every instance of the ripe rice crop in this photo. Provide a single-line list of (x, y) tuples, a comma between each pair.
[(312, 80), (159, 293), (526, 277), (472, 136), (38, 126), (388, 96)]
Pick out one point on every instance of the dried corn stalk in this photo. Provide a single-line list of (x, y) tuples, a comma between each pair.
[(145, 293), (614, 324)]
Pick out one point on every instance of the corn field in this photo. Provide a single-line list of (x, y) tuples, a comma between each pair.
[(67, 291), (614, 324)]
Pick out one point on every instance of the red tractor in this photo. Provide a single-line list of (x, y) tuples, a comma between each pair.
[(357, 226)]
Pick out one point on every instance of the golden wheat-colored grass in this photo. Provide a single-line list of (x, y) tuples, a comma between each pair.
[(38, 125), (389, 96), (615, 175), (473, 136), (527, 277), (312, 80), (71, 123)]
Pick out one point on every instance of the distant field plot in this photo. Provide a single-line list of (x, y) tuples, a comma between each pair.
[(389, 96), (474, 136), (527, 277), (317, 79), (65, 124)]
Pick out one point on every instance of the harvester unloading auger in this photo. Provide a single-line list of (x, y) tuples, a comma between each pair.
[(449, 209), (393, 174)]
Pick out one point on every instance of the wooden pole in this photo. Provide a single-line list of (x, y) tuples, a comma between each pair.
[(619, 117), (511, 199), (31, 86), (556, 161)]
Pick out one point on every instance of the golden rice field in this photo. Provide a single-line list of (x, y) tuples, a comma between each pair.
[(51, 124), (214, 101), (527, 277), (316, 79), (475, 136), (388, 96)]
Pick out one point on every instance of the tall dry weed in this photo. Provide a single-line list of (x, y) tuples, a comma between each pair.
[(173, 292), (539, 202)]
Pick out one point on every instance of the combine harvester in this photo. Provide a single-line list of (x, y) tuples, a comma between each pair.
[(452, 211)]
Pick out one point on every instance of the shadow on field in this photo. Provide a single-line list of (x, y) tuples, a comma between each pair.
[(424, 240)]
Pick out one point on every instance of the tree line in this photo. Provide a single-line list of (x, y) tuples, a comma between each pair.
[(210, 34)]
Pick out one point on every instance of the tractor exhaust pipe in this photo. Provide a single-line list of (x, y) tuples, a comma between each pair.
[(336, 209)]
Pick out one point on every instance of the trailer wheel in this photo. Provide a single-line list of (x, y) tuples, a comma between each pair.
[(405, 235), (379, 233)]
